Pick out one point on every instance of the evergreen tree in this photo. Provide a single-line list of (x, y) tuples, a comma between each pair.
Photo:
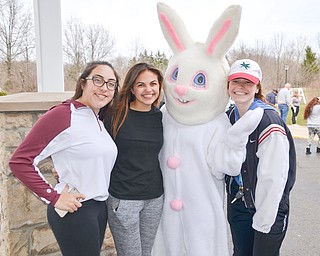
[(310, 67), (158, 60)]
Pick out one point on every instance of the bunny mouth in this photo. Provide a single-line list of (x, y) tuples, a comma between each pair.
[(182, 101)]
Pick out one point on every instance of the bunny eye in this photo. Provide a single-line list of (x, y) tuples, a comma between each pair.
[(174, 75), (199, 80)]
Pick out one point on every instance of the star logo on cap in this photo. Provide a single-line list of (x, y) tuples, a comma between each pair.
[(244, 65)]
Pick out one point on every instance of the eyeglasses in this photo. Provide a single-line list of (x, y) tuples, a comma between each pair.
[(99, 82)]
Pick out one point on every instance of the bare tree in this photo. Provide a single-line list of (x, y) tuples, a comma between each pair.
[(28, 46), (277, 48), (83, 44), (99, 43), (136, 48), (121, 64), (293, 56), (317, 41), (73, 46), (15, 27)]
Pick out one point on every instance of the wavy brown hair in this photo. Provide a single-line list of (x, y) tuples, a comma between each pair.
[(126, 96), (307, 111)]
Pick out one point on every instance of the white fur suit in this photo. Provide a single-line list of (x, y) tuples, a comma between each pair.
[(200, 145)]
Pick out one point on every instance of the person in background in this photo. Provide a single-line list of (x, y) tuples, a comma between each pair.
[(271, 97), (284, 101), (136, 187), (83, 155), (312, 115), (258, 199), (295, 105)]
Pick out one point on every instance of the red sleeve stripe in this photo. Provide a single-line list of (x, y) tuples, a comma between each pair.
[(271, 130)]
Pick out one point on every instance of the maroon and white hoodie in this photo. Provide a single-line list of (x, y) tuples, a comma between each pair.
[(82, 151)]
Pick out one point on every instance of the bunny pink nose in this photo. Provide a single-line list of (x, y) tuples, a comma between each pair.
[(181, 90)]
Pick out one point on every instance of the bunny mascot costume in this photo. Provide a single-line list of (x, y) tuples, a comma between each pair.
[(200, 145)]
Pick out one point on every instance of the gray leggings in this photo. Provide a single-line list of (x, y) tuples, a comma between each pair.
[(134, 224), (313, 131)]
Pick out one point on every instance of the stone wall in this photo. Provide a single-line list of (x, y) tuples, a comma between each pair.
[(23, 224)]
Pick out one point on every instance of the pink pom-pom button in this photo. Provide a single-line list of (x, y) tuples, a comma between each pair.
[(176, 204), (173, 162)]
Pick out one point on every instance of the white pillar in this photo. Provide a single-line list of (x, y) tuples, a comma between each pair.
[(47, 16)]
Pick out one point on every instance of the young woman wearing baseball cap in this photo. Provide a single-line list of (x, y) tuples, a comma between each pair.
[(258, 199)]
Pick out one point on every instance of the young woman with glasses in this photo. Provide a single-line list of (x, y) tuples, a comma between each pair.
[(83, 155)]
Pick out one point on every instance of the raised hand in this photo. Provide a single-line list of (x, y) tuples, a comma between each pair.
[(237, 135)]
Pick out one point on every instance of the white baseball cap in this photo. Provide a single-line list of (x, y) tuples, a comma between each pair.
[(247, 69)]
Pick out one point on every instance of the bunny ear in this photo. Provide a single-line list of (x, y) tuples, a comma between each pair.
[(224, 31), (173, 28)]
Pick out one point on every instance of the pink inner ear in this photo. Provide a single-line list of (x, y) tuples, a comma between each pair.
[(172, 33), (220, 34)]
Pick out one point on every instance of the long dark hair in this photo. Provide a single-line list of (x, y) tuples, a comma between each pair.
[(126, 96), (106, 111)]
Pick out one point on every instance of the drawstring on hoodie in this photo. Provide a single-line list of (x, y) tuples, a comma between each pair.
[(97, 119)]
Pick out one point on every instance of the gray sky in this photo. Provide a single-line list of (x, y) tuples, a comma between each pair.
[(128, 20)]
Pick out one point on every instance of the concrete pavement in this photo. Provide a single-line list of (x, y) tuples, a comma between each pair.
[(299, 132), (303, 235)]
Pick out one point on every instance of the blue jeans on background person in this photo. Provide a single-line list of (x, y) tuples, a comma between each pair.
[(284, 110)]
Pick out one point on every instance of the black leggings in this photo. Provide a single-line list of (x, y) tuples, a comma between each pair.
[(80, 233), (294, 114)]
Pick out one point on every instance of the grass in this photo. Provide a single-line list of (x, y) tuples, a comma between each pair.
[(309, 93), (300, 119)]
